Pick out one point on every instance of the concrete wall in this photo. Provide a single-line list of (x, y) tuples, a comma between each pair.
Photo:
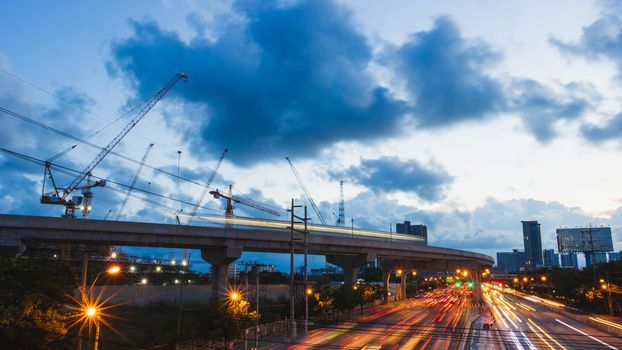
[(141, 295)]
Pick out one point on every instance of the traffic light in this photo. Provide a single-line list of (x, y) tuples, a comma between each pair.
[(458, 284), (471, 285)]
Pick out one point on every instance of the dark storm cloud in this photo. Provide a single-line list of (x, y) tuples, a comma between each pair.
[(445, 76), (390, 174), (540, 108), (291, 80)]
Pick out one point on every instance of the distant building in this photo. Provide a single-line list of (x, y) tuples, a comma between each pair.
[(415, 230), (570, 260), (533, 245), (508, 262), (615, 256), (551, 259), (598, 257)]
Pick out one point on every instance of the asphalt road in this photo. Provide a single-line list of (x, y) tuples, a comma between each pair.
[(439, 320), (525, 322)]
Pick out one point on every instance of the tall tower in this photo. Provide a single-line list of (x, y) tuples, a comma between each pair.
[(533, 245), (341, 219)]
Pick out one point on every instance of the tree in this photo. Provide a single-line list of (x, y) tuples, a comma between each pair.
[(32, 295)]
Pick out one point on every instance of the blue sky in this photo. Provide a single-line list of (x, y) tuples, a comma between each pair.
[(467, 116)]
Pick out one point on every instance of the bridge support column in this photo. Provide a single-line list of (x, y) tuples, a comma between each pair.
[(220, 258), (350, 264), (386, 268)]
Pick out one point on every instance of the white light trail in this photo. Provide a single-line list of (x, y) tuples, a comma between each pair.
[(587, 335)]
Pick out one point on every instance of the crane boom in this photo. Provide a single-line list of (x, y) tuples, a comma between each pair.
[(129, 191), (104, 152), (304, 189), (249, 203), (206, 187)]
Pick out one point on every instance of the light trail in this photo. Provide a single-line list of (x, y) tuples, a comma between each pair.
[(284, 225), (545, 333), (608, 323), (587, 335)]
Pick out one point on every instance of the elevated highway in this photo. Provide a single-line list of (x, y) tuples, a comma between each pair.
[(348, 248)]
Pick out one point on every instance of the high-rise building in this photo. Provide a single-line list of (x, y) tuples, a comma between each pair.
[(508, 262), (415, 230), (615, 256), (570, 260), (550, 258), (533, 245), (598, 257)]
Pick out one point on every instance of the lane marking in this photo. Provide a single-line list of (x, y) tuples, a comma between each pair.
[(587, 335)]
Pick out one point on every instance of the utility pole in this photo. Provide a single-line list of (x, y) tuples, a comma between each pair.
[(256, 268), (609, 300), (293, 221), (306, 281)]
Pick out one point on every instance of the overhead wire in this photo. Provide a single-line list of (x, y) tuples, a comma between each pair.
[(73, 172), (88, 143), (82, 109)]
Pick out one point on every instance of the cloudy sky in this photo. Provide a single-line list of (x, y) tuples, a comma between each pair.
[(467, 116)]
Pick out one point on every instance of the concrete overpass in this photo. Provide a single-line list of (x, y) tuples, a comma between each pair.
[(221, 246)]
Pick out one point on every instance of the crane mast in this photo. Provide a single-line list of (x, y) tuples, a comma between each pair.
[(60, 195), (306, 192), (134, 179), (206, 188)]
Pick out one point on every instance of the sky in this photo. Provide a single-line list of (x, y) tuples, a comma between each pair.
[(466, 116)]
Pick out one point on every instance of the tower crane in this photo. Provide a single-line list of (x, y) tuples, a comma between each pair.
[(60, 196), (304, 189), (230, 198), (134, 179), (206, 188)]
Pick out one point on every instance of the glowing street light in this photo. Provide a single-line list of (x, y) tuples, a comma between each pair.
[(91, 311), (309, 291), (158, 269), (414, 273), (113, 255), (543, 278), (143, 281), (114, 269), (515, 280), (525, 279), (184, 263), (173, 262), (399, 272), (176, 281), (465, 273), (132, 268), (234, 296)]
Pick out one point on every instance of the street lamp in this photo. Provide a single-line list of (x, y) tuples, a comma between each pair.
[(114, 269), (543, 278)]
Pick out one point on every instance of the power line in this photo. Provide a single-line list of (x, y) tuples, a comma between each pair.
[(26, 82), (73, 172), (88, 143)]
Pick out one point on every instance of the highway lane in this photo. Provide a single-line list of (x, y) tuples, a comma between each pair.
[(525, 322), (439, 320)]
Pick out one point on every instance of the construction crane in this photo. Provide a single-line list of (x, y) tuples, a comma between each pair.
[(341, 219), (60, 196), (307, 194), (206, 188), (230, 198), (133, 184)]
